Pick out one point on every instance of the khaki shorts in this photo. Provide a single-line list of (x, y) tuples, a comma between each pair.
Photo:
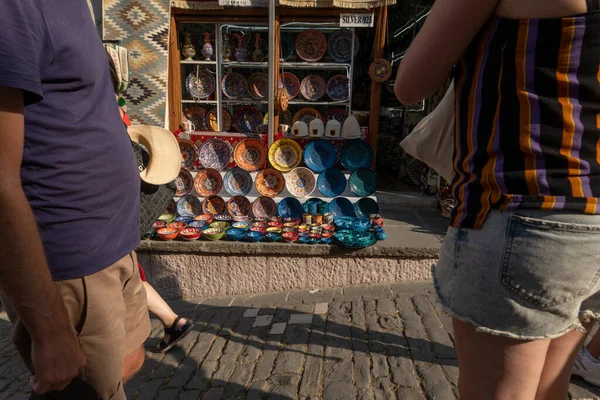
[(109, 312)]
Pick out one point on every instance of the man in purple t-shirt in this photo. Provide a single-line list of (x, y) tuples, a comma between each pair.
[(69, 202)]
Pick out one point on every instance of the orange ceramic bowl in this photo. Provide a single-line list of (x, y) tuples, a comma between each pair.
[(205, 217), (168, 233), (191, 234), (290, 237), (177, 225)]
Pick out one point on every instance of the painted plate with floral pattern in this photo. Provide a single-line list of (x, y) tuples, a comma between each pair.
[(292, 85), (208, 182), (189, 153), (234, 85), (264, 207), (306, 115), (215, 153), (200, 85), (339, 45), (258, 85), (197, 116), (313, 87), (237, 182), (269, 182), (311, 45), (212, 123), (338, 88), (285, 155), (250, 154), (213, 205), (339, 114), (184, 183), (189, 206), (238, 206), (300, 182), (247, 119)]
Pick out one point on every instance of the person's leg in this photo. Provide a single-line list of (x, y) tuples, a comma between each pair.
[(133, 363), (494, 367), (587, 361), (161, 309), (593, 347)]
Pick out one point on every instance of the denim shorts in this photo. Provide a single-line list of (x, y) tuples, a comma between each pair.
[(526, 274)]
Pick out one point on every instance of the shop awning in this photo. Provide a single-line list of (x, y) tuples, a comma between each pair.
[(347, 4)]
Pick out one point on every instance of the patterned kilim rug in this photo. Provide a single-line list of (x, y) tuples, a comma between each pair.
[(142, 26)]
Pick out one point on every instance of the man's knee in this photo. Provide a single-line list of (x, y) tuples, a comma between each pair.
[(133, 363)]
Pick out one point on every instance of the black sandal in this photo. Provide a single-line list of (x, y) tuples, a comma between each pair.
[(174, 335)]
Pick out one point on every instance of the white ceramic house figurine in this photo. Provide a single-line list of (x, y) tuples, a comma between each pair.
[(351, 128), (316, 129), (300, 129), (333, 128)]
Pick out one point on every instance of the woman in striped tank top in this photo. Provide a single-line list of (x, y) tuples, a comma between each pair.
[(520, 265)]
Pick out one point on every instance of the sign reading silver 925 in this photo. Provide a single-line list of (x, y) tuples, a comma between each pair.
[(356, 20)]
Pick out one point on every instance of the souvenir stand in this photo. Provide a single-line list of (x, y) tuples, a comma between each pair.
[(301, 174)]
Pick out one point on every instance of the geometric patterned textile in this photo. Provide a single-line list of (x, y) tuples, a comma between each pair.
[(142, 26)]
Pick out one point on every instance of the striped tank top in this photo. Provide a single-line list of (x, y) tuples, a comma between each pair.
[(528, 118)]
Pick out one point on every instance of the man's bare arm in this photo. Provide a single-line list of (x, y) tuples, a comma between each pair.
[(24, 275)]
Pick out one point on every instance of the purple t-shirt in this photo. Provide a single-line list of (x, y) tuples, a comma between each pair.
[(78, 171)]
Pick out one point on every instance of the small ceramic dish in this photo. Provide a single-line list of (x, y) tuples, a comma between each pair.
[(242, 225), (204, 217), (275, 224), (159, 224), (260, 224), (167, 218), (352, 223), (177, 225), (313, 240), (326, 240), (273, 237), (303, 239), (198, 224), (258, 229), (236, 234), (185, 220), (289, 237), (191, 234), (274, 229), (328, 227), (214, 234), (223, 217), (168, 233), (380, 235), (254, 236), (220, 225)]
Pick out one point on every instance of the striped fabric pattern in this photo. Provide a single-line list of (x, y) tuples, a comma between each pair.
[(528, 118)]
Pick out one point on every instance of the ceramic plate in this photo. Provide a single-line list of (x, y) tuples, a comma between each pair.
[(250, 154), (171, 207), (184, 183), (234, 85), (285, 118), (238, 206), (213, 205), (290, 207), (269, 182), (237, 182), (306, 115), (287, 46), (338, 88), (363, 182), (200, 85), (331, 182), (311, 45), (356, 154), (313, 87), (212, 123), (189, 153), (197, 116), (189, 206), (292, 84), (264, 207), (258, 85), (380, 70), (247, 119), (339, 46), (319, 155), (208, 182), (341, 207), (215, 153), (300, 182), (365, 207), (339, 114), (285, 155)]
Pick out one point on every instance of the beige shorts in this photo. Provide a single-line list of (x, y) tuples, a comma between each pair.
[(110, 314)]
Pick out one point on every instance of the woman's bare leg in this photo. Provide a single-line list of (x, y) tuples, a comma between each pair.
[(594, 345), (160, 308)]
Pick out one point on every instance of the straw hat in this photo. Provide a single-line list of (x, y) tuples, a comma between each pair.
[(165, 155)]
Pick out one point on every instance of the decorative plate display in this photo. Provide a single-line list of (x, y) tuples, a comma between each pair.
[(285, 118), (189, 153), (212, 123), (213, 205), (237, 182), (247, 119), (338, 88), (215, 153), (331, 182), (292, 85), (208, 182), (189, 206), (380, 70), (313, 87), (356, 154), (363, 182), (287, 46), (290, 207), (311, 45), (184, 183), (319, 155), (300, 182), (200, 85), (250, 154), (339, 46), (234, 85), (264, 207), (197, 116), (285, 155), (258, 85), (238, 206), (306, 115), (365, 207), (269, 182), (339, 114), (341, 207)]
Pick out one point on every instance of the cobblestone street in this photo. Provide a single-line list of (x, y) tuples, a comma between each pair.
[(383, 342)]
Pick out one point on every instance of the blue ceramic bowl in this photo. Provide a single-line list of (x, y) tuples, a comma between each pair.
[(273, 237), (237, 182), (313, 240), (341, 207), (290, 207), (319, 155), (315, 205), (352, 223), (325, 240), (365, 207), (254, 236), (185, 220), (303, 239), (189, 206), (380, 235), (356, 154), (242, 224), (198, 224), (363, 182), (331, 182), (236, 234)]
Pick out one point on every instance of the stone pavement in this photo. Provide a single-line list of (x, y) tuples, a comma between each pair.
[(381, 343)]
